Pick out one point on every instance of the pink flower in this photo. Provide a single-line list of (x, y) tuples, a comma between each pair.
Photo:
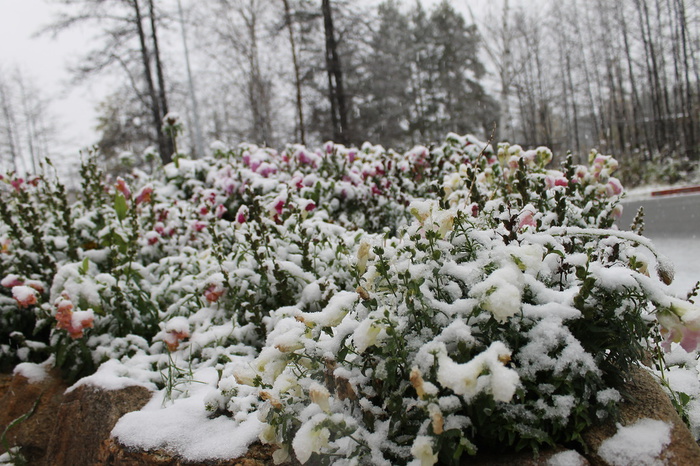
[(266, 170), (211, 197), (144, 195), (614, 187), (17, 184), (279, 205), (551, 181), (204, 210), (304, 159), (11, 281), (351, 156), (680, 324), (297, 181), (617, 212), (25, 295), (246, 159), (242, 214), (329, 147), (310, 206), (220, 210), (526, 219), (198, 225)]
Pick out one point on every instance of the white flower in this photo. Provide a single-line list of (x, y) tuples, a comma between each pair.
[(320, 395), (467, 379), (268, 434), (365, 335), (281, 455), (422, 450), (501, 292), (310, 438), (362, 257)]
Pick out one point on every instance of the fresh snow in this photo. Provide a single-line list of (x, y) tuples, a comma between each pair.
[(640, 444), (183, 427), (34, 373), (567, 458)]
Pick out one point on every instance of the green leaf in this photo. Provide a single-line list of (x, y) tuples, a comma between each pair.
[(120, 206), (84, 267)]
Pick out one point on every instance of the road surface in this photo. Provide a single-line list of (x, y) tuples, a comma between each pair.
[(673, 225), (674, 216)]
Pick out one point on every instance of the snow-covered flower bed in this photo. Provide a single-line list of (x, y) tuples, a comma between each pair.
[(348, 305)]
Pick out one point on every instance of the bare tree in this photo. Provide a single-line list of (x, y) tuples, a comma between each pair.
[(297, 73), (334, 70), (26, 130), (124, 38)]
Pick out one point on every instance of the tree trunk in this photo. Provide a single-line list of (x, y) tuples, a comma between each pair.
[(691, 142), (297, 73), (10, 126), (336, 93), (169, 143), (165, 154), (198, 140)]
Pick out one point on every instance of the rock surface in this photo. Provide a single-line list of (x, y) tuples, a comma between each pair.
[(545, 458), (648, 401), (85, 419), (73, 429), (65, 429), (114, 454), (18, 398)]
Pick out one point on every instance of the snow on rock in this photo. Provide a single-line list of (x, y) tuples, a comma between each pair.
[(34, 373), (639, 444), (114, 375), (182, 426), (567, 458)]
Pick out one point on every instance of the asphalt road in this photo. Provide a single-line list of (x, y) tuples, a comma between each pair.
[(666, 216)]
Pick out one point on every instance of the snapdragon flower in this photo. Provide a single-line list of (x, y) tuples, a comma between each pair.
[(25, 296)]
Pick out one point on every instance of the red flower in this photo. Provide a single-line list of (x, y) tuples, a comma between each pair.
[(144, 195), (214, 292), (123, 188), (11, 281), (72, 322), (25, 296)]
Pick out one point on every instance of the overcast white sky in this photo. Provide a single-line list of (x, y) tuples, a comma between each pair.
[(44, 60)]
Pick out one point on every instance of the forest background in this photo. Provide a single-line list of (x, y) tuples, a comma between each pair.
[(621, 76)]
